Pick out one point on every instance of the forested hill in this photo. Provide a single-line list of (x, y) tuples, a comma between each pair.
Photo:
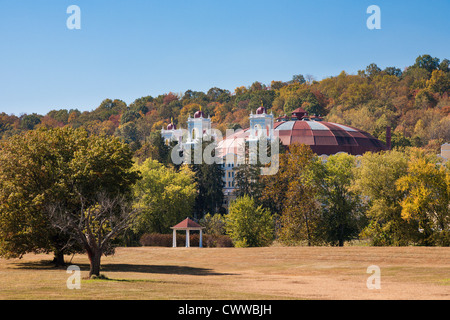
[(414, 101)]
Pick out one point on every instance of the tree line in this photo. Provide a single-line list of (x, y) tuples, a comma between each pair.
[(413, 101), (391, 198)]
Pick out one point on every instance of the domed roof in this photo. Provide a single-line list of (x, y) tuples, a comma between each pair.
[(171, 126), (323, 138), (199, 114), (261, 110)]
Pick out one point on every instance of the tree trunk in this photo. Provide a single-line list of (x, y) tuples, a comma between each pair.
[(94, 259), (341, 235), (58, 260), (308, 235)]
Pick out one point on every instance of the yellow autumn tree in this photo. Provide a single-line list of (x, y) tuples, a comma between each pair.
[(427, 198), (188, 110)]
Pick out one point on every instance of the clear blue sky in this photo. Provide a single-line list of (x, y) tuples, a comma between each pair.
[(127, 49)]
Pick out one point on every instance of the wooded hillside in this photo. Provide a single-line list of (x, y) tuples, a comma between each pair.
[(414, 101)]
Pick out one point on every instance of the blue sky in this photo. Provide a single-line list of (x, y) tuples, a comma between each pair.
[(127, 49)]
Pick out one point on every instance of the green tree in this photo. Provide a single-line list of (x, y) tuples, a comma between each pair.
[(194, 97), (342, 214), (249, 225), (61, 115), (219, 95), (260, 98), (298, 78), (248, 175), (160, 150), (32, 167), (142, 105), (302, 97), (28, 122), (445, 65), (129, 115), (130, 135), (165, 196), (427, 62), (372, 70), (209, 179), (108, 108), (247, 178), (51, 183), (274, 194), (393, 71), (100, 180)]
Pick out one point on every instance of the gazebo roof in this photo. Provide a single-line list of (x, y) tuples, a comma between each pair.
[(187, 224)]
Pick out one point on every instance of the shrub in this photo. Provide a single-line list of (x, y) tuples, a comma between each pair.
[(217, 241)]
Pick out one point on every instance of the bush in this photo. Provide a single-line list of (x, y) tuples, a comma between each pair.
[(217, 241), (157, 240), (165, 240)]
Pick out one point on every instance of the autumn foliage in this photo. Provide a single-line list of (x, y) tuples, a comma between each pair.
[(413, 101)]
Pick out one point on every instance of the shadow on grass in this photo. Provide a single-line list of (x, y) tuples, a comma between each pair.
[(104, 278), (124, 267)]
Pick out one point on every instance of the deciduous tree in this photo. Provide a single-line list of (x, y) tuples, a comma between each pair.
[(49, 177), (165, 196), (249, 225), (375, 180), (427, 198), (342, 214)]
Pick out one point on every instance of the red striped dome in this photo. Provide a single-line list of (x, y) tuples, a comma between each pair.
[(323, 138)]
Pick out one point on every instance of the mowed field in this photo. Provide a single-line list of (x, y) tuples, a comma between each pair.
[(238, 273)]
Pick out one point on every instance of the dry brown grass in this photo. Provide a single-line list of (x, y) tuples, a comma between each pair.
[(238, 273)]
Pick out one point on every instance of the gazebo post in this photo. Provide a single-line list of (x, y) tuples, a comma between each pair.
[(174, 239), (187, 238), (201, 239)]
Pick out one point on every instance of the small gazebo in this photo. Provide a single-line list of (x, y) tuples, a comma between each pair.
[(188, 225)]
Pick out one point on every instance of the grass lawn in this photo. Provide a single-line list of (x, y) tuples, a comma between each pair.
[(238, 273)]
